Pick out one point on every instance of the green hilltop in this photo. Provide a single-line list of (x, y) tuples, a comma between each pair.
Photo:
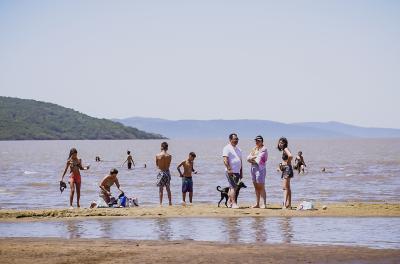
[(23, 119)]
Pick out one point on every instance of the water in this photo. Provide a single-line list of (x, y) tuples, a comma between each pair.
[(370, 232), (365, 170)]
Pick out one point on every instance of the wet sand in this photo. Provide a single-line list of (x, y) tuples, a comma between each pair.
[(53, 250), (201, 210)]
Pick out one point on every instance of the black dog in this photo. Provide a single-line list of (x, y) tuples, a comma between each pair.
[(224, 193)]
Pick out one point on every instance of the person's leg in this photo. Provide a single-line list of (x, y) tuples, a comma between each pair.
[(184, 197), (161, 192), (285, 191), (78, 194), (71, 194), (263, 194), (256, 189), (169, 195), (232, 194), (289, 194), (190, 197)]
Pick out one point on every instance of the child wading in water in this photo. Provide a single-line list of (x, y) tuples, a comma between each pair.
[(130, 161), (187, 182)]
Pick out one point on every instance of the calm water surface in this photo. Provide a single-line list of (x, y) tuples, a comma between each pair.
[(370, 232), (357, 170)]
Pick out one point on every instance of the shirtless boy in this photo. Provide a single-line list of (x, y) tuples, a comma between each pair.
[(163, 161), (130, 161), (187, 182), (106, 184)]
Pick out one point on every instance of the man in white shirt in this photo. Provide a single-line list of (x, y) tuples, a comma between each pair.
[(233, 166)]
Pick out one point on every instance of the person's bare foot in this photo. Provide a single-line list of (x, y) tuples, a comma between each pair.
[(264, 206), (256, 206), (71, 207), (235, 206)]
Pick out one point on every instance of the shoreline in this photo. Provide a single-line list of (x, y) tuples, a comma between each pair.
[(56, 250), (348, 209)]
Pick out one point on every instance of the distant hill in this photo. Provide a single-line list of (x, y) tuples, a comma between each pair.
[(22, 119), (250, 128)]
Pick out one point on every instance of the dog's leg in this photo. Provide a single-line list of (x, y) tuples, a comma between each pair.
[(222, 197)]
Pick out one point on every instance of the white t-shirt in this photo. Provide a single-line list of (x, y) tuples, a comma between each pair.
[(234, 155)]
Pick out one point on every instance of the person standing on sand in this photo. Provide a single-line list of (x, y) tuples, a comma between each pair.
[(232, 156), (187, 182), (130, 161), (75, 165), (287, 172), (258, 158), (163, 161)]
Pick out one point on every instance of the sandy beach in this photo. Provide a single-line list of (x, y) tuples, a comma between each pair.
[(53, 250), (200, 210)]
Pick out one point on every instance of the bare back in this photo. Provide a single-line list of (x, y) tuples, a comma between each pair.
[(163, 161)]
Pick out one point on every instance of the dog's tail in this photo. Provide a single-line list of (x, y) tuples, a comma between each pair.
[(219, 189)]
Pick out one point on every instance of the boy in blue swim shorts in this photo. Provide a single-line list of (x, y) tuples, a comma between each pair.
[(187, 182)]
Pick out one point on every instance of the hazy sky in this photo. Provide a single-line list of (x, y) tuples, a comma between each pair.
[(287, 61)]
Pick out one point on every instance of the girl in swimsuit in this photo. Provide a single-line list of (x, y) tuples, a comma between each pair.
[(75, 165), (287, 172)]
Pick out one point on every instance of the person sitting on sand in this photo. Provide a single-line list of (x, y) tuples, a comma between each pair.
[(163, 161), (299, 163), (130, 161), (106, 184), (187, 182), (75, 165)]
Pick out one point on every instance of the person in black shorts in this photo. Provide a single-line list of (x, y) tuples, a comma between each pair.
[(287, 172)]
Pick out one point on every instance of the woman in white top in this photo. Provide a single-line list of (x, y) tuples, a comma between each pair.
[(258, 159)]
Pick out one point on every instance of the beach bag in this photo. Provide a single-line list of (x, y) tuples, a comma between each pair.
[(123, 201), (305, 206)]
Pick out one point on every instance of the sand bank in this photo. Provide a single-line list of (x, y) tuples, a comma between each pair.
[(201, 210), (53, 250)]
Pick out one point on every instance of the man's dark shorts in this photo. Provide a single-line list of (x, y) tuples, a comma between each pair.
[(233, 179), (187, 184)]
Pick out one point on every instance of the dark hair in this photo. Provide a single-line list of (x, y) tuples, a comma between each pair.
[(72, 152), (285, 143), (231, 136), (113, 171), (164, 146), (128, 152), (300, 152), (192, 154)]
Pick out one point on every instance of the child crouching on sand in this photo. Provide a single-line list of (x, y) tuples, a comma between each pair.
[(187, 182)]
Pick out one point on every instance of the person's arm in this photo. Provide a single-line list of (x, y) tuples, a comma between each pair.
[(251, 158), (83, 167), (179, 168), (124, 162), (290, 157), (157, 162), (227, 165), (65, 171), (193, 170), (118, 186)]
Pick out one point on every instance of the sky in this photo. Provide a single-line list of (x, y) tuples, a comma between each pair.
[(285, 61)]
